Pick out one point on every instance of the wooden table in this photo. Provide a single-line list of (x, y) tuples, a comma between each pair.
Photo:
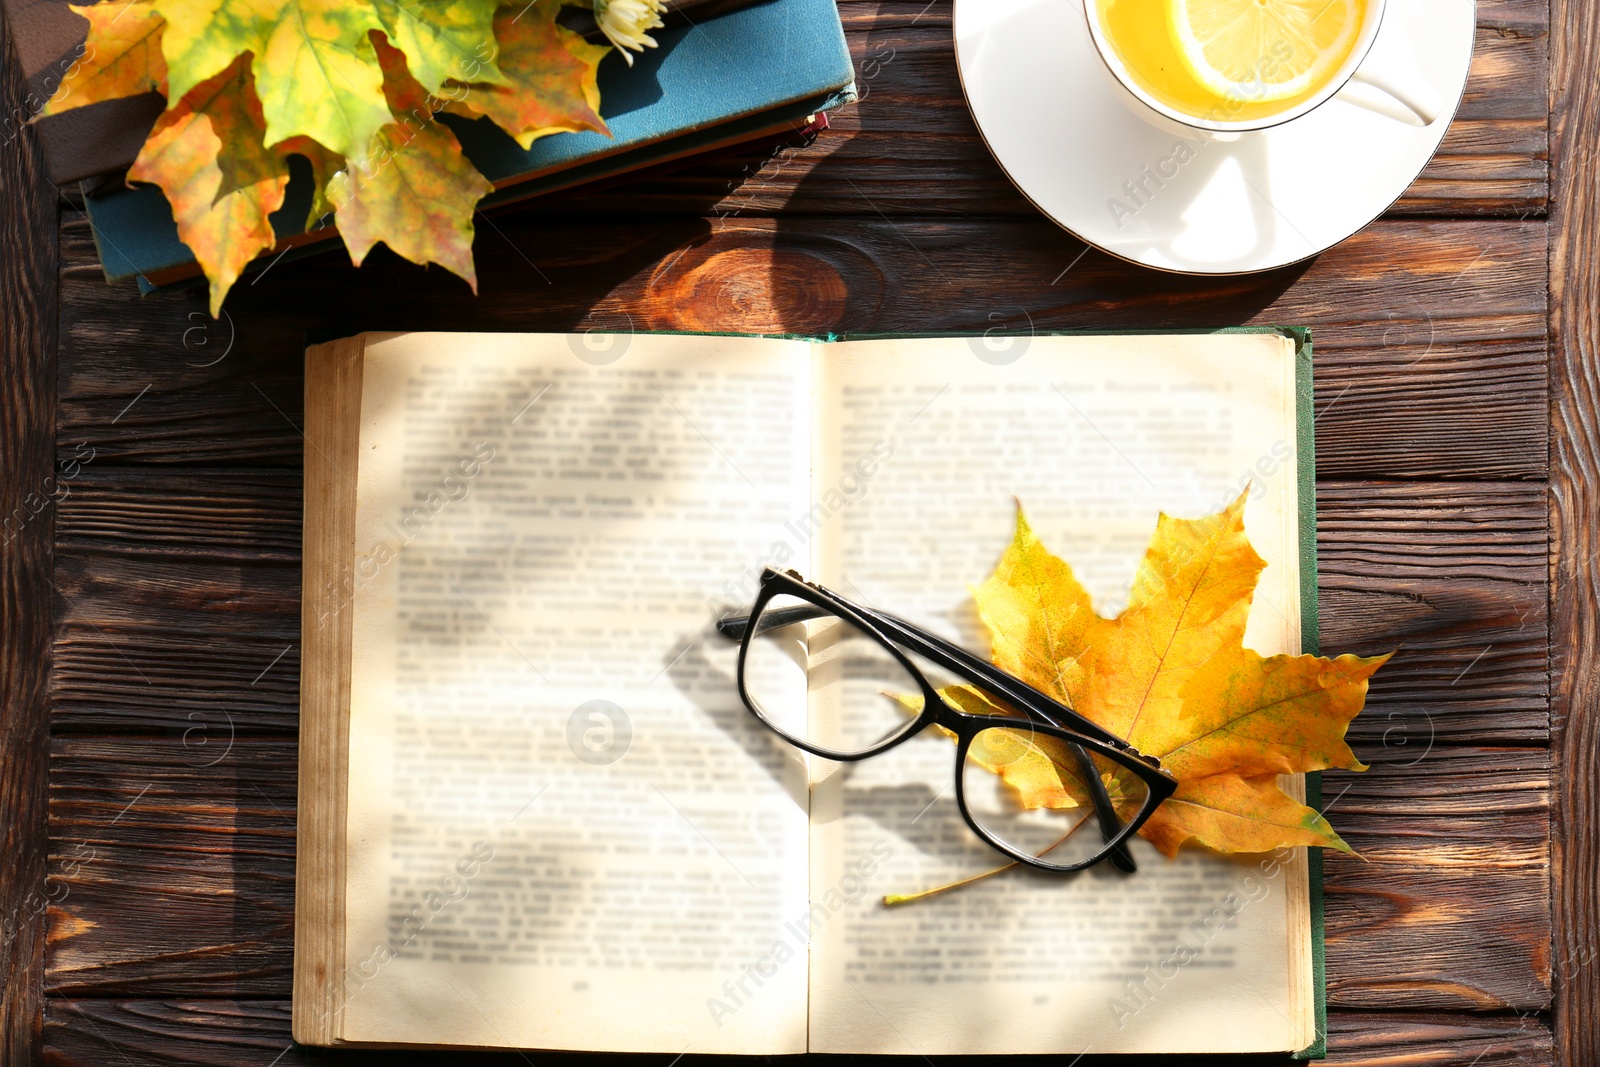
[(149, 611)]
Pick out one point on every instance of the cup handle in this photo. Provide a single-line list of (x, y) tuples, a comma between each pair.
[(1390, 67)]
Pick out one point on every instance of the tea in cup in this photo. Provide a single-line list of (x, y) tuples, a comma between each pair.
[(1239, 64)]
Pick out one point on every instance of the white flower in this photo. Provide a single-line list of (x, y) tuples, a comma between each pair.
[(627, 22)]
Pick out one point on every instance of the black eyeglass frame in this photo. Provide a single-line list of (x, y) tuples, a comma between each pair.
[(1045, 714)]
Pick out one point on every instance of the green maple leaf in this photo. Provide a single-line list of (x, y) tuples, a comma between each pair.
[(315, 70), (444, 39), (204, 37), (320, 76), (417, 193)]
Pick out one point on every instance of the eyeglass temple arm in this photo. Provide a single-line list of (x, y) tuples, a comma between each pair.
[(1018, 692), (1105, 812)]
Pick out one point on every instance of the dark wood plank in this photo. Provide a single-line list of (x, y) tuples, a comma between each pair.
[(27, 491), (224, 1033), (1501, 132), (1369, 400), (1574, 506), (169, 622), (230, 1033), (180, 640), (1372, 1039), (200, 637), (222, 516), (178, 866), (1453, 578), (910, 146), (1414, 381), (1445, 841), (180, 876)]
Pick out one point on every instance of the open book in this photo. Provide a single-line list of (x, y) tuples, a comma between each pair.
[(534, 812)]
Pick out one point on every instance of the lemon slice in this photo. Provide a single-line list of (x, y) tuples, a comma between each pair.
[(1263, 50)]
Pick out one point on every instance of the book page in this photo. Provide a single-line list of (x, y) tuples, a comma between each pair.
[(1095, 436), (565, 831)]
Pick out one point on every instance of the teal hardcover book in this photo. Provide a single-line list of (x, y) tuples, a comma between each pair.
[(723, 80)]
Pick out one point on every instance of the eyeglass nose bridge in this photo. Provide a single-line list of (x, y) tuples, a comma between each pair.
[(936, 710)]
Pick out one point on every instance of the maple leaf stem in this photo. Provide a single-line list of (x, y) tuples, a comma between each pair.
[(891, 900)]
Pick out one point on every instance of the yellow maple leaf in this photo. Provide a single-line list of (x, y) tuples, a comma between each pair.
[(1171, 675)]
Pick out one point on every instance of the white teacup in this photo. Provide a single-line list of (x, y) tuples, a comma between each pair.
[(1380, 74)]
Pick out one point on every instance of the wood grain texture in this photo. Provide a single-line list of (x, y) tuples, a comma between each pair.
[(910, 146), (132, 656), (1430, 336), (178, 865), (1453, 579), (1373, 1039), (1574, 514), (183, 884), (1446, 837), (178, 558), (180, 603), (27, 489), (235, 1033), (169, 625)]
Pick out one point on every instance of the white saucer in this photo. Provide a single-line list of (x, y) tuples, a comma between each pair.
[(1077, 143)]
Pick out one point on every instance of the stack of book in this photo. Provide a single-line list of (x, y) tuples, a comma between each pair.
[(726, 74)]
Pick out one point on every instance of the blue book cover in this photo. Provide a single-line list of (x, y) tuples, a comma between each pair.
[(718, 81)]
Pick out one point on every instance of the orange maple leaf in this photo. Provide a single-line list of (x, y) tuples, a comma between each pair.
[(1172, 676), (121, 57), (551, 75), (206, 155), (416, 192)]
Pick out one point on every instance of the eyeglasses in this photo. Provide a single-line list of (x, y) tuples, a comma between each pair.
[(843, 682)]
